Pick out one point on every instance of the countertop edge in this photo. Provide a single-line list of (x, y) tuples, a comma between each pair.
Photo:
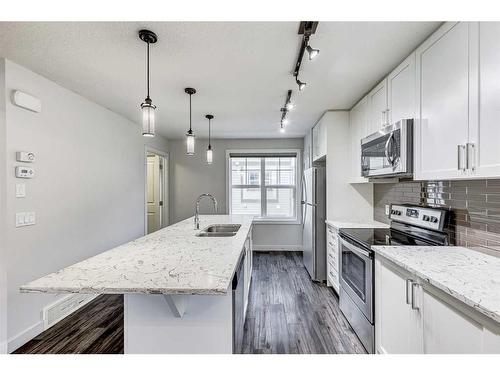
[(339, 224), (27, 289), (457, 295)]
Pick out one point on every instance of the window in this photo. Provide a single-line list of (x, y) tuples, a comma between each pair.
[(264, 185)]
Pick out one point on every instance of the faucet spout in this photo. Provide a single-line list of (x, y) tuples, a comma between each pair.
[(197, 208)]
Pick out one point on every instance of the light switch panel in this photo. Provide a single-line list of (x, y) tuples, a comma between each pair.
[(25, 218), (25, 156), (20, 190)]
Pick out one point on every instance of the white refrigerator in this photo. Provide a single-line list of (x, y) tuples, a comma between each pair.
[(313, 205)]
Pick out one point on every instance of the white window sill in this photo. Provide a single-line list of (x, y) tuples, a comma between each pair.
[(263, 220)]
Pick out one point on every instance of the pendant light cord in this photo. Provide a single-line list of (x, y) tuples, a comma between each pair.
[(209, 133), (190, 112), (147, 59)]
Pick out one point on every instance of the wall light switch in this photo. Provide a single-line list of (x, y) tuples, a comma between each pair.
[(20, 190), (387, 210), (25, 218), (25, 156)]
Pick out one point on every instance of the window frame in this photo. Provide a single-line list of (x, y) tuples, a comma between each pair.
[(271, 153)]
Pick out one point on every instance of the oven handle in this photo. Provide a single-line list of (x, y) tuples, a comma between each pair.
[(355, 249)]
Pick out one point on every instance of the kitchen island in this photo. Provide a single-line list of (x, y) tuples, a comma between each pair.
[(178, 287)]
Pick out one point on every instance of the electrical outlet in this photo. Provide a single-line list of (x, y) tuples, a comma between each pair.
[(387, 207), (25, 218)]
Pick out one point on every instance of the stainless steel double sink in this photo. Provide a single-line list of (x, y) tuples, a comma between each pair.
[(219, 230)]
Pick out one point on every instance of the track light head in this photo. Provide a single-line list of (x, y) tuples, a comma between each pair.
[(289, 106), (312, 52), (302, 85), (282, 129)]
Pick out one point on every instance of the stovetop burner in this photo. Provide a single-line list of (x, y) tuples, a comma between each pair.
[(410, 226)]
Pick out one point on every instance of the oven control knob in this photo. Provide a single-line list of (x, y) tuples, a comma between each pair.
[(398, 213), (426, 218), (434, 219)]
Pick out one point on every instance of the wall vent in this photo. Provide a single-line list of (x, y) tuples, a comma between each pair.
[(60, 309)]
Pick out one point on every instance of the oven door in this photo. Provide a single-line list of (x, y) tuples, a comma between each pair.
[(388, 151), (356, 276)]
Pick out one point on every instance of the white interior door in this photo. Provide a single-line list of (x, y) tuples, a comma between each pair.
[(154, 193)]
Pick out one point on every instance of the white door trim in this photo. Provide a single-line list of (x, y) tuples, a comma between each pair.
[(165, 185)]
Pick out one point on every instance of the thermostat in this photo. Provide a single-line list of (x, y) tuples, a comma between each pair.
[(25, 172), (25, 156)]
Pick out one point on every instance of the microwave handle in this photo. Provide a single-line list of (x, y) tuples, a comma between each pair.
[(389, 159)]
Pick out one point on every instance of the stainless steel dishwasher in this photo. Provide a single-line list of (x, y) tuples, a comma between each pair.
[(238, 306)]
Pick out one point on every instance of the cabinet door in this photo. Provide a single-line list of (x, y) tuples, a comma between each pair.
[(447, 330), (357, 129), (315, 141), (401, 91), (319, 140), (307, 151), (397, 326), (484, 151), (377, 108), (442, 63)]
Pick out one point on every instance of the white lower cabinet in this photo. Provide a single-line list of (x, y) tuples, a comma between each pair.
[(413, 317), (332, 257), (397, 324)]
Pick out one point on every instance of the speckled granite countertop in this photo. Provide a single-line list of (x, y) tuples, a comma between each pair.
[(339, 224), (170, 261), (467, 275)]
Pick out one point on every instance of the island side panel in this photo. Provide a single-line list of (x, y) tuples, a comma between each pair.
[(151, 327)]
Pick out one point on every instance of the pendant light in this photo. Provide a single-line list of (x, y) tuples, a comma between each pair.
[(148, 108), (190, 133), (209, 149)]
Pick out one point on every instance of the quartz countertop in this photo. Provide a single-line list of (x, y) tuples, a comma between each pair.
[(468, 275), (339, 224), (170, 261)]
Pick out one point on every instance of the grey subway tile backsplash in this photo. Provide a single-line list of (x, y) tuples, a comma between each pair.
[(474, 207)]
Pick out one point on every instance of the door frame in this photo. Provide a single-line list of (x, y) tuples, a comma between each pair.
[(165, 212)]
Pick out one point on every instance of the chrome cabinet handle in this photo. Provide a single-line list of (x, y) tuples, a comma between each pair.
[(409, 282), (460, 152), (387, 117), (413, 305), (471, 156)]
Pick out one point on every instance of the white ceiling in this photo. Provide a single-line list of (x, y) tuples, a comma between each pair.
[(241, 70)]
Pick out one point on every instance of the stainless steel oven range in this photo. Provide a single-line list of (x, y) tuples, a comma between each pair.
[(410, 226)]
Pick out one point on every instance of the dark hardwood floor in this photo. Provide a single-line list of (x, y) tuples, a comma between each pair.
[(97, 328), (287, 313)]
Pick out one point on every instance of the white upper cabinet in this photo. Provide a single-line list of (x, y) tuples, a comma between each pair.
[(358, 128), (307, 151), (377, 108), (319, 141), (484, 133), (442, 126), (401, 91)]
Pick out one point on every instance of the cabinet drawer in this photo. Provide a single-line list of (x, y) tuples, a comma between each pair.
[(332, 259)]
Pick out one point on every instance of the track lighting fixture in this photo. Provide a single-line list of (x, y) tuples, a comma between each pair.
[(288, 103), (306, 28), (209, 148), (148, 108), (190, 134)]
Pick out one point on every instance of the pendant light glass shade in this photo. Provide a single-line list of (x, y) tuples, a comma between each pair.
[(190, 143), (148, 118), (210, 156)]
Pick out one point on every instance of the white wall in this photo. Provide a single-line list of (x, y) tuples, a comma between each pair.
[(190, 176), (3, 269), (345, 201), (88, 193)]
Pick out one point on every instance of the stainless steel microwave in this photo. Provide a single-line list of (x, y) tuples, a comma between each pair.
[(388, 152)]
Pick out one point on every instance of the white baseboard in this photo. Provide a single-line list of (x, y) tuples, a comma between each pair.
[(3, 348), (276, 248), (23, 337)]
